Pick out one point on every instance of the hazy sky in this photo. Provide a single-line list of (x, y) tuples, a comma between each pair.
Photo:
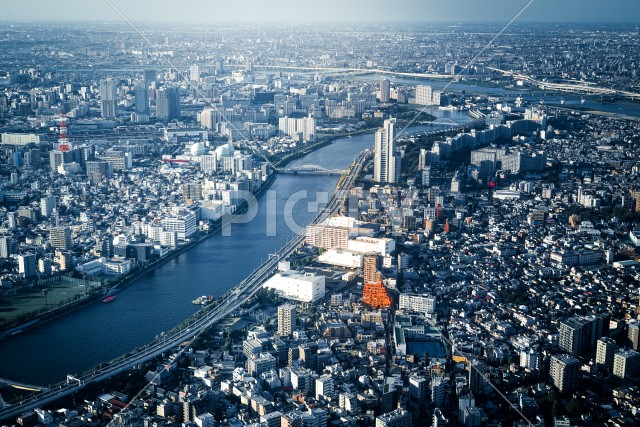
[(627, 11)]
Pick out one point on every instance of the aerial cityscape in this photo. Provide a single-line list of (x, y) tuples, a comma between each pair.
[(281, 214)]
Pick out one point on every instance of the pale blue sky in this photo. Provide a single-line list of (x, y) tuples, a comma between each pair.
[(627, 11)]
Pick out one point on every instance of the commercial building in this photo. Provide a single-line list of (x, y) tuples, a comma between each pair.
[(380, 246), (7, 138), (386, 162), (167, 103), (341, 258), (184, 223), (304, 287)]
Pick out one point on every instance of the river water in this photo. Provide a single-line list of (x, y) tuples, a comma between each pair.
[(161, 299)]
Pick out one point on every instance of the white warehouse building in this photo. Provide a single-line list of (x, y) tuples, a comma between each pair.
[(368, 245), (304, 287), (342, 258)]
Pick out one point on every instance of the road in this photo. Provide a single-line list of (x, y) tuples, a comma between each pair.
[(201, 320)]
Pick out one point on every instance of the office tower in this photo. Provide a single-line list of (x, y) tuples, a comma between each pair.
[(578, 335), (108, 99), (563, 372), (60, 238), (287, 317), (167, 103), (324, 386), (397, 418), (633, 335), (476, 376), (27, 265), (194, 73), (424, 95), (626, 364), (142, 98), (605, 349), (386, 160), (47, 205), (385, 90), (372, 266)]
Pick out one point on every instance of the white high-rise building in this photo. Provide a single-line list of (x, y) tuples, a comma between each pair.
[(324, 386), (47, 205), (386, 160), (424, 95), (109, 99), (194, 73), (419, 303)]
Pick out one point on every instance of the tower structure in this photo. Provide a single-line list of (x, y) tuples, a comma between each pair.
[(375, 295)]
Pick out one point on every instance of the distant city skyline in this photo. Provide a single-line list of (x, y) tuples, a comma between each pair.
[(617, 11)]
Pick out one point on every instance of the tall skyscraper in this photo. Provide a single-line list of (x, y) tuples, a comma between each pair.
[(168, 103), (287, 316), (386, 160), (108, 99), (385, 90), (142, 98)]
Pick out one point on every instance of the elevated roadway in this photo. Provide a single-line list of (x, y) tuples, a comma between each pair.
[(197, 323)]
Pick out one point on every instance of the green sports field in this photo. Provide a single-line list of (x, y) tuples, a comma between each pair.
[(30, 302)]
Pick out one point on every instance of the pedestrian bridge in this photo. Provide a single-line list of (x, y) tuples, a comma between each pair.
[(310, 169)]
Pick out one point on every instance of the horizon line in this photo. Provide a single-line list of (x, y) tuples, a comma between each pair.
[(307, 23)]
